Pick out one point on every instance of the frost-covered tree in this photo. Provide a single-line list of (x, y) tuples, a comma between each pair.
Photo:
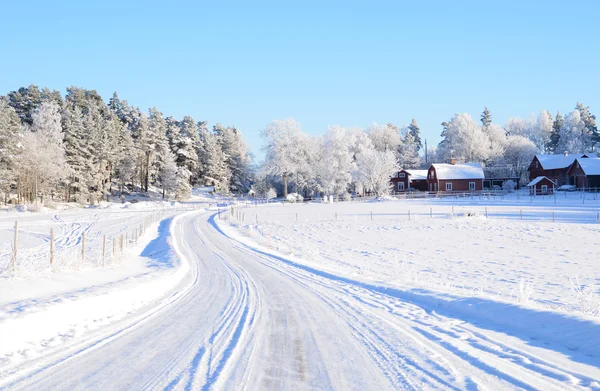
[(518, 154), (216, 171), (496, 139), (43, 166), (236, 156), (284, 142), (189, 146), (168, 174), (589, 121), (574, 136), (408, 154), (464, 140), (336, 164), (415, 132), (374, 169), (384, 137), (10, 146), (537, 129)]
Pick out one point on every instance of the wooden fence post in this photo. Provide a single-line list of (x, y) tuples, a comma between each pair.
[(114, 247), (486, 212), (121, 242), (51, 246)]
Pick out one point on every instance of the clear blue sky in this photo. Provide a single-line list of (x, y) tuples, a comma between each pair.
[(248, 63)]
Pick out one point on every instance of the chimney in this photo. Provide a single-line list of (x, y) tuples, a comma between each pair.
[(566, 153), (452, 160)]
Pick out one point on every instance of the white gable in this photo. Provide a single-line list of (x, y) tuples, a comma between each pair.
[(459, 171)]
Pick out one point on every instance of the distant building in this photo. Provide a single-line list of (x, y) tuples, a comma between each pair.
[(585, 173), (541, 186), (455, 177), (405, 180), (555, 167)]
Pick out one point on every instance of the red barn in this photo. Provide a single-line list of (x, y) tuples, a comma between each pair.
[(410, 179), (455, 177), (554, 167), (585, 173), (541, 186)]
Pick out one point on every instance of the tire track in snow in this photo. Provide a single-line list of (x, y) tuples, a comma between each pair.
[(472, 351)]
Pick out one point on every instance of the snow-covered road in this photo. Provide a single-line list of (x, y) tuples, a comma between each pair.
[(246, 319)]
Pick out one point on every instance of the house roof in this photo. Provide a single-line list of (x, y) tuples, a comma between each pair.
[(590, 166), (416, 175), (538, 180), (459, 171), (553, 162)]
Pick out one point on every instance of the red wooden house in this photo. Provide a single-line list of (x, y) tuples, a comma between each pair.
[(554, 167), (409, 179), (541, 186), (455, 177), (585, 173)]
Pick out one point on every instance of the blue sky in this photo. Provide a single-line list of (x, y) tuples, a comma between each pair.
[(248, 63)]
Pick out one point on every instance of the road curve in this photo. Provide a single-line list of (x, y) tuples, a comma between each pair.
[(243, 319)]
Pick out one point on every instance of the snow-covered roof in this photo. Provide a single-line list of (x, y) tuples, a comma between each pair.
[(538, 180), (590, 166), (553, 162), (416, 175), (459, 171)]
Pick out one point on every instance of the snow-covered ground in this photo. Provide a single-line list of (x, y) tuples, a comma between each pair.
[(449, 244), (44, 307), (319, 296)]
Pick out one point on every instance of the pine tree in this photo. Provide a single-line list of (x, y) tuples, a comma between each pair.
[(216, 170), (10, 140), (486, 118), (189, 145), (555, 133), (25, 101), (415, 132), (589, 121)]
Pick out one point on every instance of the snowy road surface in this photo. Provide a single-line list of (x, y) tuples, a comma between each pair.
[(242, 319)]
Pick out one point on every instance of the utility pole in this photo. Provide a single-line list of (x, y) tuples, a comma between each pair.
[(426, 152)]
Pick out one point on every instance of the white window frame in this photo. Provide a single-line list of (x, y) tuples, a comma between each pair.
[(401, 186), (544, 188), (448, 186), (402, 175), (472, 186)]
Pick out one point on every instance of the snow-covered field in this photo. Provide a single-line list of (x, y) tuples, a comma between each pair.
[(543, 251)]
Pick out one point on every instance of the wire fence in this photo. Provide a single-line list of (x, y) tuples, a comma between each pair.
[(580, 207), (81, 247)]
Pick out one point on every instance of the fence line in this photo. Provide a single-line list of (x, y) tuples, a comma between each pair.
[(90, 253)]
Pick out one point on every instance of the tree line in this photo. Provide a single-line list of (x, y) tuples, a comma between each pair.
[(341, 161), (80, 148), (362, 160), (513, 146)]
